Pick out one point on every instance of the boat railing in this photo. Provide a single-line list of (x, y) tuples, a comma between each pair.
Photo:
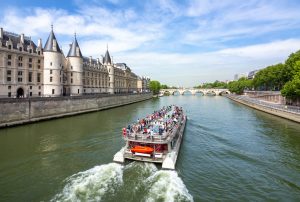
[(165, 137)]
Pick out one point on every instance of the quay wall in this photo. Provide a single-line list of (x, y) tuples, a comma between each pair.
[(21, 111), (276, 112)]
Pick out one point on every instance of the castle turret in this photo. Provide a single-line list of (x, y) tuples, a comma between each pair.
[(53, 67), (75, 69), (110, 68)]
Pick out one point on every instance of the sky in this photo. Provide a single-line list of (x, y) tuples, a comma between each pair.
[(179, 43)]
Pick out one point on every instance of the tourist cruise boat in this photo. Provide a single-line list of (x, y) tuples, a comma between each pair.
[(156, 138)]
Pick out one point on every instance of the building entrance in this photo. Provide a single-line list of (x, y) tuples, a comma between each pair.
[(20, 93)]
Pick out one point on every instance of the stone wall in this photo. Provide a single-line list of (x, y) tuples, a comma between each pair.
[(20, 111), (274, 111)]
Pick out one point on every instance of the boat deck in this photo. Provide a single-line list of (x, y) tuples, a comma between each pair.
[(156, 138)]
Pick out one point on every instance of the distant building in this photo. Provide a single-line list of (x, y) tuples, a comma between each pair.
[(29, 70), (251, 74), (238, 76)]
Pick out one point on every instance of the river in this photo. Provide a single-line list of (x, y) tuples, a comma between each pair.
[(229, 153)]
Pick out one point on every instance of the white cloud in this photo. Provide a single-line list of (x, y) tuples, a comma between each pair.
[(162, 39)]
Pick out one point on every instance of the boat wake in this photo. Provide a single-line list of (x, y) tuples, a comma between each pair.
[(92, 184), (137, 181)]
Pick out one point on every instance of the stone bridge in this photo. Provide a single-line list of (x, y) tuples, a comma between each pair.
[(194, 91)]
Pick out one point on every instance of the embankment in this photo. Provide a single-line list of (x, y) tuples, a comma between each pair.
[(271, 110), (21, 111)]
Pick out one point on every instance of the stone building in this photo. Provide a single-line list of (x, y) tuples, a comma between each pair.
[(29, 70)]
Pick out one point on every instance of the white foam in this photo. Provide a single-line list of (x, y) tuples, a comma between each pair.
[(167, 186), (93, 184)]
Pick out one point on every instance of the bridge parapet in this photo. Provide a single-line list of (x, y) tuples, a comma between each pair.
[(193, 91)]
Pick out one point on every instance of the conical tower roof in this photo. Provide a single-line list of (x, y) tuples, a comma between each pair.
[(52, 43), (73, 48), (107, 59)]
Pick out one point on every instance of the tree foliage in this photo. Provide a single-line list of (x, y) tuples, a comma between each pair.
[(216, 84), (269, 78), (239, 86), (292, 88), (155, 87), (164, 86)]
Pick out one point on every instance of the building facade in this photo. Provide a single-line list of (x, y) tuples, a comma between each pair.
[(29, 70)]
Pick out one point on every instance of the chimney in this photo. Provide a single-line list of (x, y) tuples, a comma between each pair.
[(22, 39), (91, 59), (40, 43), (1, 33), (98, 61)]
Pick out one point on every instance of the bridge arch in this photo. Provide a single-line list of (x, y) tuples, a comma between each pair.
[(198, 92), (184, 92), (176, 92), (211, 93)]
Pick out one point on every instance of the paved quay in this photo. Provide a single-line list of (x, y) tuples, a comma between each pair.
[(285, 111)]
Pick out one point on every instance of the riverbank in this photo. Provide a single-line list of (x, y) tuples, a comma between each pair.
[(287, 112), (21, 111)]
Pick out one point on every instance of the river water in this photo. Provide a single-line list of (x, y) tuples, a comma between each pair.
[(229, 153)]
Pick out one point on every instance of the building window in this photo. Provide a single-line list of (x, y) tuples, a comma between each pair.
[(71, 67), (20, 79), (9, 94), (8, 78), (30, 94), (39, 93), (9, 57), (39, 52), (53, 91), (9, 46), (30, 65), (9, 87), (39, 61), (20, 58), (71, 73), (50, 71), (30, 78), (78, 91), (30, 51), (39, 87), (8, 72), (71, 80), (30, 59), (20, 73), (8, 63), (20, 49), (50, 63), (30, 87), (39, 66), (38, 77), (50, 78)]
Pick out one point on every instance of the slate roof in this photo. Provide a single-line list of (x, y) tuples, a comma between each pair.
[(72, 51), (15, 39), (107, 59), (49, 44)]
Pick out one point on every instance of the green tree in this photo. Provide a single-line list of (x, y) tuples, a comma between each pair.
[(292, 88), (155, 87), (164, 86), (292, 66), (270, 78), (239, 86)]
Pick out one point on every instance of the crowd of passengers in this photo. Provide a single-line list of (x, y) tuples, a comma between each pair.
[(157, 123)]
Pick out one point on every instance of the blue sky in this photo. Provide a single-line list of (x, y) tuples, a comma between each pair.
[(181, 43)]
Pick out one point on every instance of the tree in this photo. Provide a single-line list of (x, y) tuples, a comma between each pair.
[(292, 66), (155, 87), (292, 88), (164, 86), (239, 86)]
